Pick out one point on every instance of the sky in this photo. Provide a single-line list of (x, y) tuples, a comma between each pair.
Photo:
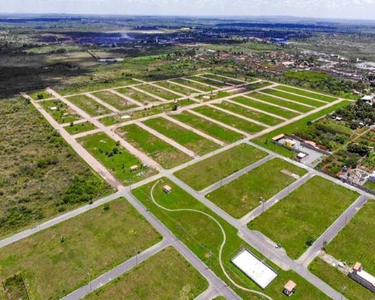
[(348, 9)]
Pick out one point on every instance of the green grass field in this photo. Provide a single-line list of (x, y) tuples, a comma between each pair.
[(176, 88), (370, 185), (159, 92), (337, 280), (214, 96), (257, 85), (208, 81), (355, 242), (266, 107), (59, 255), (299, 99), (115, 101), (212, 129), (203, 236), (115, 158), (307, 93), (219, 166), (229, 119), (224, 79), (79, 128), (312, 208), (286, 104), (39, 95), (62, 114), (163, 153), (137, 96), (193, 85), (89, 105), (184, 137), (155, 279), (249, 113), (243, 194)]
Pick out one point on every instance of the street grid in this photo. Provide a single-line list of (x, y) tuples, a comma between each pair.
[(213, 82)]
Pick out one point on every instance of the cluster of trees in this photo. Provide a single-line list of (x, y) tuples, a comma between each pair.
[(361, 112)]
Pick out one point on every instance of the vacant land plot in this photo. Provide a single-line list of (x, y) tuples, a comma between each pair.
[(257, 85), (209, 81), (220, 166), (59, 255), (229, 119), (294, 97), (212, 129), (39, 95), (41, 176), (117, 159), (137, 96), (89, 105), (115, 101), (337, 280), (176, 88), (61, 112), (159, 92), (163, 153), (355, 242), (204, 237), (307, 93), (184, 137), (283, 103), (249, 113), (194, 85), (312, 208), (80, 127), (155, 279), (266, 107), (242, 195), (214, 96), (224, 79)]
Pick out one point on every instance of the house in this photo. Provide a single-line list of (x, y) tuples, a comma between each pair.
[(367, 99), (167, 189), (362, 277), (290, 288), (133, 168), (289, 143)]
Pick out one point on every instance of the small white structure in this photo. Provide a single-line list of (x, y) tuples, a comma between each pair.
[(255, 269), (367, 99), (167, 189), (125, 117), (206, 97), (53, 108), (133, 168)]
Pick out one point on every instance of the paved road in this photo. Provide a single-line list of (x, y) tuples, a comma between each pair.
[(332, 231), (116, 272), (276, 198)]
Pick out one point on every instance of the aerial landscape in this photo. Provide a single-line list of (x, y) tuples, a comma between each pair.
[(173, 149)]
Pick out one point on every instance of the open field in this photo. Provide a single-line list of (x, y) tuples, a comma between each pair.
[(59, 255), (204, 237), (212, 129), (39, 95), (283, 103), (355, 242), (137, 96), (214, 96), (266, 107), (61, 112), (243, 194), (155, 279), (223, 79), (337, 280), (89, 105), (159, 92), (80, 127), (114, 100), (184, 137), (306, 93), (294, 97), (229, 119), (219, 166), (163, 153), (299, 125), (154, 110), (115, 158), (194, 85), (176, 88), (257, 85), (312, 208), (41, 176), (370, 185), (209, 81), (249, 113)]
